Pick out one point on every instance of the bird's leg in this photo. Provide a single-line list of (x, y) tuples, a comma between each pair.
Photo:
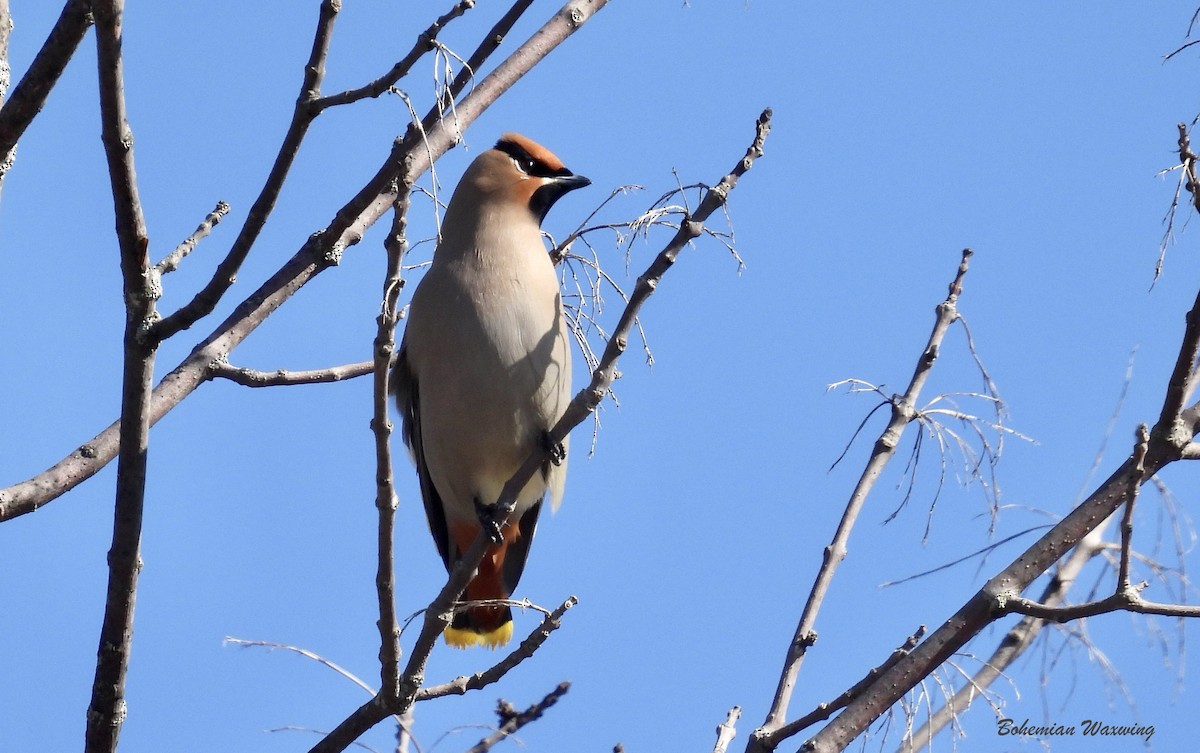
[(487, 519), (558, 453)]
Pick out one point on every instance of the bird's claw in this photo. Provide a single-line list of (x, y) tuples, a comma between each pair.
[(558, 453), (487, 520)]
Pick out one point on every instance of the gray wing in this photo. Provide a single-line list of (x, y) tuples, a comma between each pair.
[(404, 386)]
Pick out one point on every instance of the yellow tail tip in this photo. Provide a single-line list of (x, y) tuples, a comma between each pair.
[(459, 638)]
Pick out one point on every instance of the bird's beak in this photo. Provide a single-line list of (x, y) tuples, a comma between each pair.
[(571, 182), (554, 188)]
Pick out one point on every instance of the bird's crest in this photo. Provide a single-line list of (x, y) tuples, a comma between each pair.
[(515, 145)]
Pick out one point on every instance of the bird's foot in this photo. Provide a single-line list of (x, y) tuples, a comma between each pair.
[(558, 453), (487, 519)]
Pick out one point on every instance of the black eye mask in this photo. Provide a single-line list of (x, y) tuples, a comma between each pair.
[(528, 164)]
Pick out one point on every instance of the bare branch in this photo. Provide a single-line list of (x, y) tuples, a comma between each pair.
[(1127, 601), (282, 377), (311, 730), (829, 708), (1169, 436), (347, 733), (991, 547), (1014, 643), (903, 411), (203, 303), (29, 95), (271, 646), (320, 252), (396, 246), (402, 722), (1168, 222), (979, 611), (532, 643), (425, 42), (380, 192), (1180, 49), (1183, 378), (1135, 483), (171, 262), (512, 720), (491, 41), (726, 730), (106, 711)]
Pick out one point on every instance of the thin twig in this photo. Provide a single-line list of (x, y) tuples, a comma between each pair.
[(1135, 483), (222, 369), (272, 646), (1180, 49), (403, 724), (1108, 429), (532, 643), (829, 708), (171, 262), (903, 411), (981, 552), (489, 44), (322, 732), (512, 720), (425, 42), (395, 245), (205, 301), (1176, 424)]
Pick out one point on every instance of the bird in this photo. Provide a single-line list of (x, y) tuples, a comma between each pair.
[(484, 372)]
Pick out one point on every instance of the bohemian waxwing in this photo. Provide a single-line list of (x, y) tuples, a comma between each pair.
[(484, 370)]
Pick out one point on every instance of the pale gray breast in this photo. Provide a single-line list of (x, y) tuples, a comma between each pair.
[(489, 351)]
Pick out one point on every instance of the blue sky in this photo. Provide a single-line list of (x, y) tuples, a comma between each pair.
[(1032, 133)]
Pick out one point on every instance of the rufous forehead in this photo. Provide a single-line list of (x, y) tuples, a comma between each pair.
[(535, 150)]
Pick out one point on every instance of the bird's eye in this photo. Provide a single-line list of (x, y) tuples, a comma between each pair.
[(525, 164)]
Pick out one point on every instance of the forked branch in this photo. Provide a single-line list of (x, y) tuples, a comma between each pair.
[(1014, 643), (512, 720), (532, 643), (1168, 439), (320, 252), (106, 710), (205, 301), (904, 410), (425, 42)]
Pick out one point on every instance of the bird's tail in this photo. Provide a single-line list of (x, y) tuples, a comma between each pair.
[(488, 625), (481, 626), (491, 624)]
